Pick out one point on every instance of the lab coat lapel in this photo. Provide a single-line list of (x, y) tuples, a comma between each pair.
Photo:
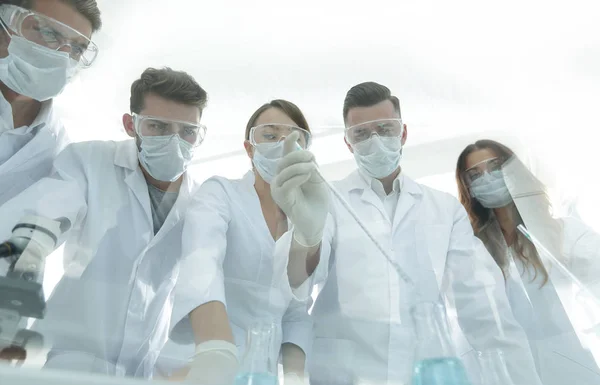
[(355, 183), (42, 144), (409, 194), (253, 210), (126, 157), (177, 212), (368, 196)]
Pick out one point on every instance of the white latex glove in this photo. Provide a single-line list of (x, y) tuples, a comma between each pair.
[(301, 193), (215, 363)]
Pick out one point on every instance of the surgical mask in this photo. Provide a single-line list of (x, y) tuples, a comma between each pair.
[(378, 157), (165, 157), (490, 190), (265, 159), (34, 71)]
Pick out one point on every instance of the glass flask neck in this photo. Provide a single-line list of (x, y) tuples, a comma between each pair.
[(493, 368), (433, 335), (436, 361), (258, 357)]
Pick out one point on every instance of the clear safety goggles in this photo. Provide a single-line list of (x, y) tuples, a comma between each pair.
[(477, 171), (146, 125), (383, 127), (273, 133), (49, 33)]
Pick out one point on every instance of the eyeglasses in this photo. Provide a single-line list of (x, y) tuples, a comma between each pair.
[(146, 125), (382, 127), (49, 33), (477, 171), (273, 133)]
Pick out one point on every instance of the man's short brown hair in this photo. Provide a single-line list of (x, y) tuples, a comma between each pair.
[(369, 94), (88, 8), (176, 86)]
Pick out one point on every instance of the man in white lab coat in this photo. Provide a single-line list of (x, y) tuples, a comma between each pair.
[(124, 201), (42, 45), (363, 327)]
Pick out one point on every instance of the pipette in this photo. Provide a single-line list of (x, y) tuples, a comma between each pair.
[(354, 215), (403, 275)]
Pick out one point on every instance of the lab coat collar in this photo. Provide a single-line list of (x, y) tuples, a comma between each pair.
[(252, 202), (409, 193), (126, 156), (377, 186), (355, 181), (248, 178), (45, 117), (177, 212), (48, 136)]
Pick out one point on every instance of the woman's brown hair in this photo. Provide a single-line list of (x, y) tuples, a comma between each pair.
[(485, 225)]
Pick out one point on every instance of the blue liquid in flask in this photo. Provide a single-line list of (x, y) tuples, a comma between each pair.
[(256, 379), (440, 371)]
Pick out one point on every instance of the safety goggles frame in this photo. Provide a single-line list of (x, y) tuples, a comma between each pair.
[(497, 165), (350, 140), (138, 119), (307, 134), (12, 18)]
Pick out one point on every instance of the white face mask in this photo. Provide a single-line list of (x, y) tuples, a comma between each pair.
[(378, 157), (265, 159), (490, 190), (165, 157), (34, 71)]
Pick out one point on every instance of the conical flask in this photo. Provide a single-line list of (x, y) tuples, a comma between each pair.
[(493, 368), (436, 362), (258, 366)]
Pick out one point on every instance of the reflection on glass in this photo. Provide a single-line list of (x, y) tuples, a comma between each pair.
[(119, 302), (547, 262)]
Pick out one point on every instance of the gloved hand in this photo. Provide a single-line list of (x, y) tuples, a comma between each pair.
[(215, 363), (301, 193)]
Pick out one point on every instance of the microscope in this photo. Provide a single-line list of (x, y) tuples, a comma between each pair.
[(21, 291)]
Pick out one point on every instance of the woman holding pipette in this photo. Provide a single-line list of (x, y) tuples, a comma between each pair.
[(548, 278), (230, 232)]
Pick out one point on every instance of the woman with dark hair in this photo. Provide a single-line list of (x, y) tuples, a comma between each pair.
[(230, 233), (500, 193)]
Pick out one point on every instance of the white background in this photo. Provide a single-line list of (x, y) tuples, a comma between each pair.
[(526, 68)]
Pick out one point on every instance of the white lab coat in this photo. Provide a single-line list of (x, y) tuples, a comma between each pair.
[(110, 312), (363, 328), (228, 257), (552, 317), (26, 154)]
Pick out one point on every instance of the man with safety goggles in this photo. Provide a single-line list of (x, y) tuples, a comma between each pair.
[(362, 315), (43, 43), (124, 203)]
